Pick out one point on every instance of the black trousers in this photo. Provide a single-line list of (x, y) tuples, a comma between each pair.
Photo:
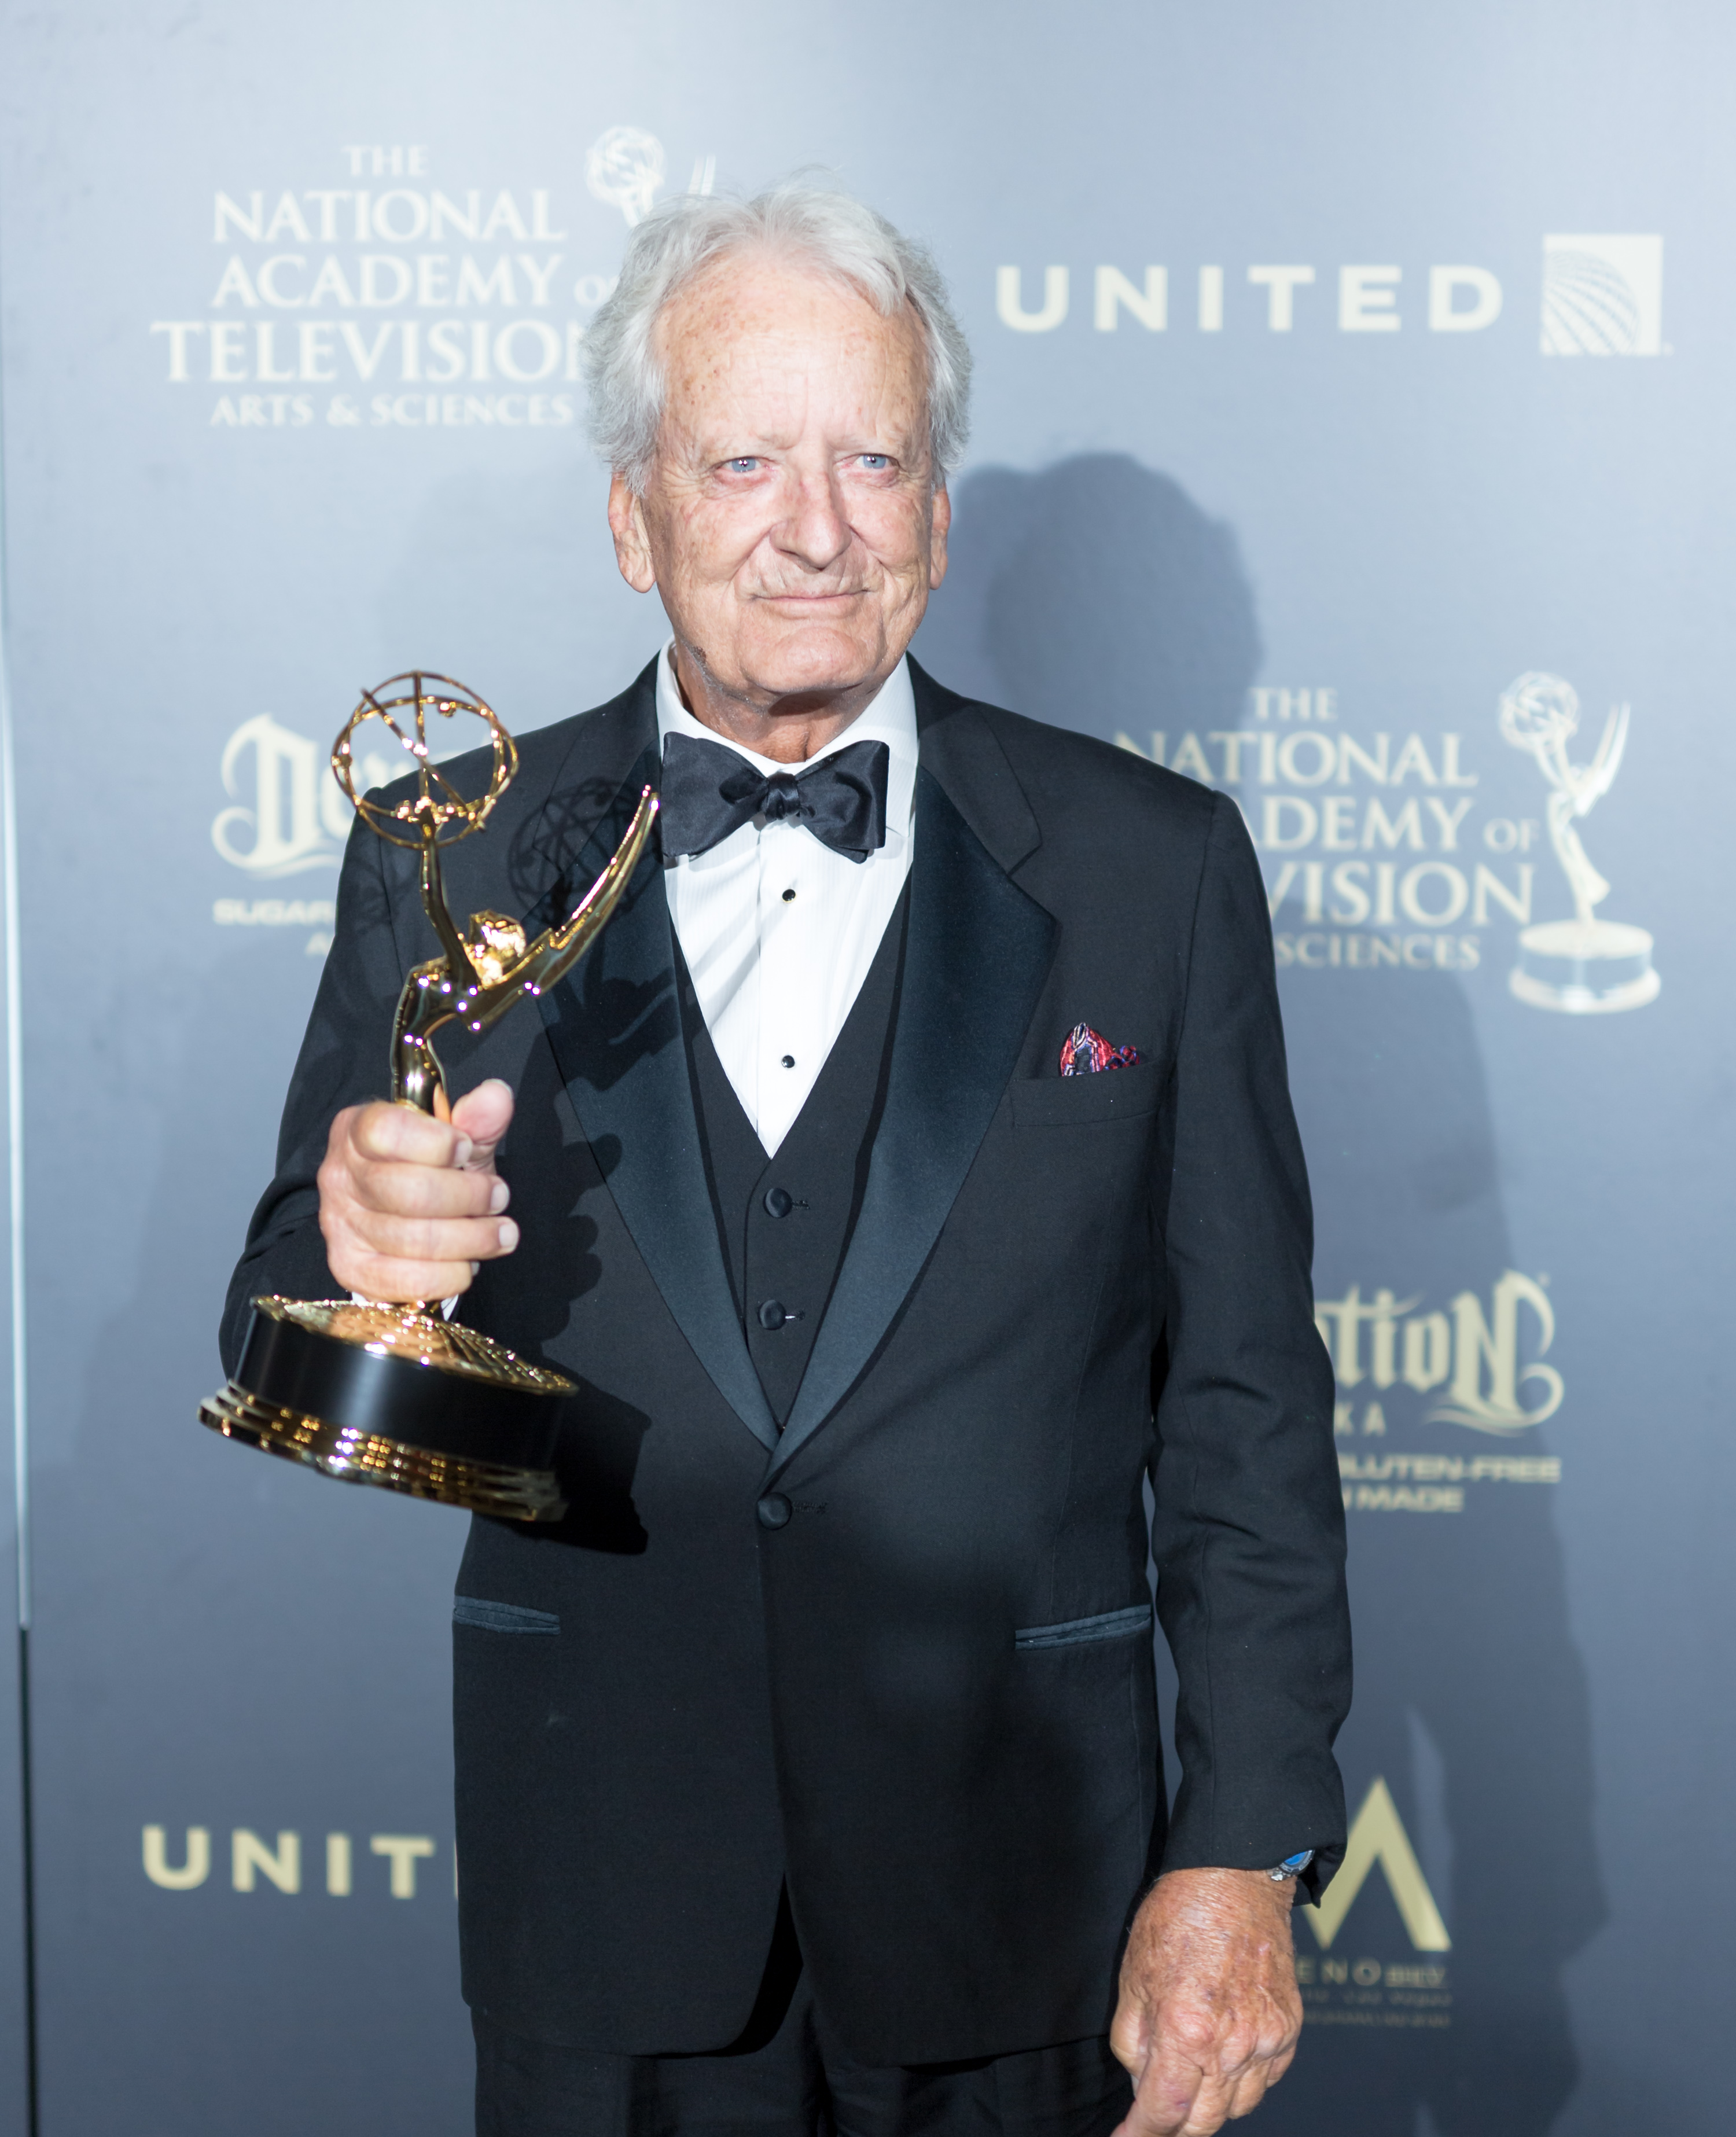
[(787, 2077)]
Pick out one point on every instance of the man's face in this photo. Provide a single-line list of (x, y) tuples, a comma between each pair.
[(790, 523)]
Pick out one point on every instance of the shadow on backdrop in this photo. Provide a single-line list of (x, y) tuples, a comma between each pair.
[(1096, 594), (1471, 1697)]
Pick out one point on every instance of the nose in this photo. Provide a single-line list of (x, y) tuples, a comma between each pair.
[(817, 531)]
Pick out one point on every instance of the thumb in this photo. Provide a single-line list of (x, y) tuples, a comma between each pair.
[(483, 1115), (1130, 2037)]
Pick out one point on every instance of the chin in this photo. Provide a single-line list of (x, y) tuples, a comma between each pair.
[(811, 656)]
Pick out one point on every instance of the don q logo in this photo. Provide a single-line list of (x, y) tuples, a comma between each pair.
[(287, 813), (1585, 965)]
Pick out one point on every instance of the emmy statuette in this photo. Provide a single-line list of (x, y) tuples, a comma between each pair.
[(398, 1395), (1584, 966)]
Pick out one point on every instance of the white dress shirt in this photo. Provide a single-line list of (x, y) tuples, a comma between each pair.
[(778, 931)]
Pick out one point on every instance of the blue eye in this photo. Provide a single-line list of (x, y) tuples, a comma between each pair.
[(745, 464), (874, 462)]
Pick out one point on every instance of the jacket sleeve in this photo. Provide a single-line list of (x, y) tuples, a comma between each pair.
[(344, 1059), (1249, 1531)]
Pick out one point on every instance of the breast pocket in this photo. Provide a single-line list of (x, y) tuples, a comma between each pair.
[(1084, 1632), (1112, 1094), (486, 1617)]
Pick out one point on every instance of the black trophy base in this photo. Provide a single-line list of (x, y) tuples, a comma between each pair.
[(394, 1396)]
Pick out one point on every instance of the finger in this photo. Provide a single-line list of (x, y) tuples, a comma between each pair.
[(1209, 2110), (484, 1115), (389, 1283), (404, 1134), (391, 1270), (1249, 2089), (1166, 2097), (394, 1190), (446, 1239), (1130, 2037)]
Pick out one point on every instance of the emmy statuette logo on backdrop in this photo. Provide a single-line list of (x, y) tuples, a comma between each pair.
[(626, 167), (398, 1395), (1584, 966)]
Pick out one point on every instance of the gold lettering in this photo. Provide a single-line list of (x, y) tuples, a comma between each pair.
[(1377, 1835)]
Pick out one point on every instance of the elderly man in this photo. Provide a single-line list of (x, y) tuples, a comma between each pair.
[(908, 1176)]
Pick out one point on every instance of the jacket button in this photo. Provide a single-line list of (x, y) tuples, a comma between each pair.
[(772, 1314), (778, 1201), (774, 1510)]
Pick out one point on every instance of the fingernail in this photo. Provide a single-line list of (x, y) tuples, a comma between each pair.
[(508, 1236), (500, 1195), (461, 1152), (476, 1268)]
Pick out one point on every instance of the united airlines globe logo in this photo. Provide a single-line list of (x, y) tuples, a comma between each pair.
[(1587, 309), (1603, 296)]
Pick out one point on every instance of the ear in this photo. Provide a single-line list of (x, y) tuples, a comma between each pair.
[(632, 544), (939, 526)]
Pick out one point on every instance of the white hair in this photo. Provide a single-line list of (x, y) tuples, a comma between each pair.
[(843, 241)]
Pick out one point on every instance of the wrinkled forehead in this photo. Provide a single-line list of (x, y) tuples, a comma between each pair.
[(762, 330)]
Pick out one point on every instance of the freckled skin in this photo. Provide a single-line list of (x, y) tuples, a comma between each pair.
[(1209, 2014), (791, 523)]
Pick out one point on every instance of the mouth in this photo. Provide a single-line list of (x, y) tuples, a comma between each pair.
[(815, 600)]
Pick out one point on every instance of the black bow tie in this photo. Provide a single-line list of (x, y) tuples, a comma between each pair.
[(708, 791)]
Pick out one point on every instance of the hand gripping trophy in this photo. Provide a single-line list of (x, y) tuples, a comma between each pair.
[(1583, 966), (399, 1395)]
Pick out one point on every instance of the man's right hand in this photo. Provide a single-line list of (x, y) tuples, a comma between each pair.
[(410, 1206)]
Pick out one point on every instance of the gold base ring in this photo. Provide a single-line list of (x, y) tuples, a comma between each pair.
[(355, 1458)]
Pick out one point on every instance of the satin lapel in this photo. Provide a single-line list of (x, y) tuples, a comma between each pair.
[(978, 953), (615, 1028)]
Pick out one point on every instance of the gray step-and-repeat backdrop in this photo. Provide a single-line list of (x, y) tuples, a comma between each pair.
[(1352, 433)]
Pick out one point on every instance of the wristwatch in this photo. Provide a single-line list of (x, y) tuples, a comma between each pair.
[(1292, 1866)]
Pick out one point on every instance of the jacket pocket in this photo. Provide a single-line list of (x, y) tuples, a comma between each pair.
[(1080, 1632), (1112, 1094), (501, 1617)]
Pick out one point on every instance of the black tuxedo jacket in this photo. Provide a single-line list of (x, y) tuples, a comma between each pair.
[(926, 1698)]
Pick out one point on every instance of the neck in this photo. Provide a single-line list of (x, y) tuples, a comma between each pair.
[(789, 729)]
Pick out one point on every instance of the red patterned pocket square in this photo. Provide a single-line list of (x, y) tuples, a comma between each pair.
[(1084, 1051)]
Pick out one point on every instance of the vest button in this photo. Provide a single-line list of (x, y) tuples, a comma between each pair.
[(773, 1511), (778, 1202), (772, 1313)]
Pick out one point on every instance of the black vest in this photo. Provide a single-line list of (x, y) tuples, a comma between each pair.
[(784, 1222)]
